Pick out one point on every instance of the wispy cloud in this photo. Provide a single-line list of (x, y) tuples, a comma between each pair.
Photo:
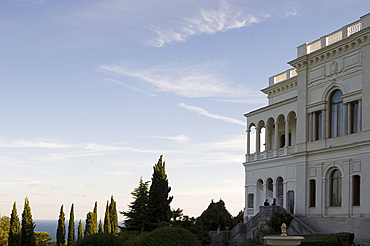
[(181, 138), (119, 173), (32, 143), (206, 21), (26, 3), (183, 79), (204, 112)]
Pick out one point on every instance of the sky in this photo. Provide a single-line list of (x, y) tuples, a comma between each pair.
[(93, 92)]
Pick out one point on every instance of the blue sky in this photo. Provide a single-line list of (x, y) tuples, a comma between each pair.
[(93, 92)]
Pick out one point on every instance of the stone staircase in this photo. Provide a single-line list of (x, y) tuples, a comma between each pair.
[(240, 234)]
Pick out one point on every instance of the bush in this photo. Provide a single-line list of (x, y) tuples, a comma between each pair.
[(99, 239), (169, 236), (320, 240)]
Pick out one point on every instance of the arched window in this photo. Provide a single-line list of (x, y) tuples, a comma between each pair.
[(336, 117), (335, 188)]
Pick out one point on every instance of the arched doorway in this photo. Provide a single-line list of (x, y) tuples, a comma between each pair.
[(280, 191), (259, 193), (269, 190)]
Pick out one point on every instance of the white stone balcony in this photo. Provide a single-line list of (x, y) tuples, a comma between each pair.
[(270, 154)]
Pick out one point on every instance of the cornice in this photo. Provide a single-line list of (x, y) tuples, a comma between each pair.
[(355, 41), (281, 87), (272, 106)]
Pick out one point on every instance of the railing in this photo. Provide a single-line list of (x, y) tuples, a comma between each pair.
[(330, 39), (285, 75), (271, 154)]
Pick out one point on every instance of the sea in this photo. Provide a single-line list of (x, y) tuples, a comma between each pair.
[(50, 226)]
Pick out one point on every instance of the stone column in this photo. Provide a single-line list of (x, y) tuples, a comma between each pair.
[(314, 126), (309, 127), (248, 141), (323, 124), (258, 140), (359, 121), (286, 132), (276, 138), (349, 118), (327, 124), (345, 118)]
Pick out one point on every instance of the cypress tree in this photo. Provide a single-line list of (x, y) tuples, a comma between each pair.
[(95, 218), (61, 230), (113, 216), (107, 225), (14, 238), (80, 231), (100, 230), (28, 234), (89, 226), (71, 227), (138, 213), (159, 202)]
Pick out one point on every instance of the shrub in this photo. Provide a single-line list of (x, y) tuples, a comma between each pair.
[(320, 240), (98, 239), (169, 236)]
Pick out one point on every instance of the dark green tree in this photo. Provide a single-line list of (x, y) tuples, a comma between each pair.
[(216, 217), (107, 225), (43, 239), (113, 216), (100, 230), (95, 218), (61, 230), (80, 231), (4, 230), (159, 201), (14, 238), (137, 217), (28, 234), (71, 227), (89, 226)]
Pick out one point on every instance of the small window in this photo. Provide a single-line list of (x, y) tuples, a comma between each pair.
[(356, 190), (312, 193), (250, 200)]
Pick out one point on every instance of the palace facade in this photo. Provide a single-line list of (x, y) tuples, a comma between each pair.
[(309, 148)]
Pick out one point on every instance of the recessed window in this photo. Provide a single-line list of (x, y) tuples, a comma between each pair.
[(335, 188), (250, 200), (312, 193), (318, 123), (356, 190), (336, 111), (354, 117)]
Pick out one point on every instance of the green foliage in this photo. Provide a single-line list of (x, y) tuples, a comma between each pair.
[(138, 213), (345, 238), (71, 227), (169, 236), (113, 216), (190, 225), (61, 230), (107, 225), (276, 220), (216, 217), (100, 230), (28, 235), (239, 217), (15, 238), (95, 218), (89, 226), (43, 239), (320, 240), (159, 201), (4, 230), (80, 231), (99, 239)]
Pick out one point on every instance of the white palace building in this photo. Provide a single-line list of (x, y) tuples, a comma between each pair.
[(312, 140)]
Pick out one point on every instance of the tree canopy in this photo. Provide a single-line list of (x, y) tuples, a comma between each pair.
[(14, 238), (28, 234)]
